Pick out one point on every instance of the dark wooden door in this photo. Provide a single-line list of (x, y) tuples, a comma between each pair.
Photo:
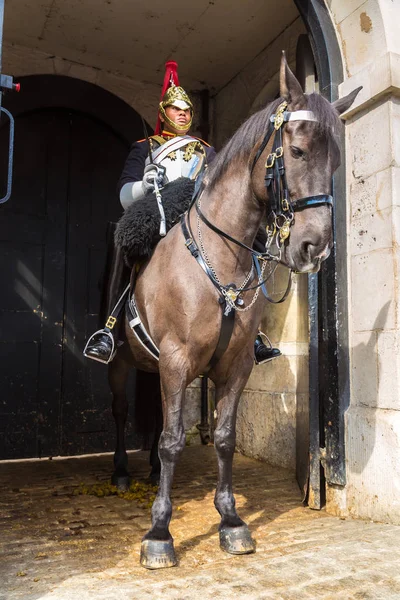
[(52, 239)]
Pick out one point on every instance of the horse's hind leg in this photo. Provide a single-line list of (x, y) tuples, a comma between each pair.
[(118, 372), (148, 415), (234, 534), (157, 546)]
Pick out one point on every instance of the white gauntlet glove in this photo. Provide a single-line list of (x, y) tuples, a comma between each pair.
[(151, 173), (132, 192)]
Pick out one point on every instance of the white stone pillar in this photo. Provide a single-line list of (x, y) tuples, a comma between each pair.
[(369, 40)]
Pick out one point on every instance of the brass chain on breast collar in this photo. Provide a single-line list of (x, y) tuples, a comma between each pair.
[(231, 294), (256, 294)]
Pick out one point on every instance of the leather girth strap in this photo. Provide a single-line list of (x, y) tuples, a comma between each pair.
[(228, 313)]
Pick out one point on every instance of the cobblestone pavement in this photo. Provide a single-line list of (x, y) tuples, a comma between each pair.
[(57, 546)]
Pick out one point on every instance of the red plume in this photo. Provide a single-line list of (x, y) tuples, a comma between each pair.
[(170, 78)]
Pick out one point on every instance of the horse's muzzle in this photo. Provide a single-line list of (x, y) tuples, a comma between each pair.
[(309, 258)]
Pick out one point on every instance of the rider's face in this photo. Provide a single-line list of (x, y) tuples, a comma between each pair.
[(179, 116)]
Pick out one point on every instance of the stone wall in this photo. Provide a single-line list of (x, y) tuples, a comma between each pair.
[(267, 410)]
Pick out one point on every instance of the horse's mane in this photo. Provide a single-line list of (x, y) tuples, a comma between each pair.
[(245, 138)]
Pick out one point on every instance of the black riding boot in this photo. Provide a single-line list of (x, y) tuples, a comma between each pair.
[(262, 352), (102, 345)]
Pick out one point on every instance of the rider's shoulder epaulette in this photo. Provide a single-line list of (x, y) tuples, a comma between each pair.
[(154, 138), (159, 139), (203, 142)]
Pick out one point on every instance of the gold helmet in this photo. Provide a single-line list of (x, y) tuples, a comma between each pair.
[(173, 95)]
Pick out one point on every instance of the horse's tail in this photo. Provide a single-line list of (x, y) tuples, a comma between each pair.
[(148, 410)]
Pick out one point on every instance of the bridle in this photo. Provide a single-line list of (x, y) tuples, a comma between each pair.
[(281, 215)]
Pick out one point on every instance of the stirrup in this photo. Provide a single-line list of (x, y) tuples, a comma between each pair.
[(270, 346), (111, 321), (113, 348)]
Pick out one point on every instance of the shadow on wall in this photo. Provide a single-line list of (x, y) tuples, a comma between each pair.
[(372, 371)]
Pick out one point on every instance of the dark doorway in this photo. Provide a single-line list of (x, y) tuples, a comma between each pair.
[(52, 237)]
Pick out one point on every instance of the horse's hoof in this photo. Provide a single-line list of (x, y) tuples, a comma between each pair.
[(122, 482), (237, 540), (157, 554)]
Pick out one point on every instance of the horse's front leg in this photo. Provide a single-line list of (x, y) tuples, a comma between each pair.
[(234, 534), (118, 372), (157, 549)]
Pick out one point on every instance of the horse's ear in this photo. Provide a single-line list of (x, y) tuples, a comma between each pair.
[(344, 104), (290, 88)]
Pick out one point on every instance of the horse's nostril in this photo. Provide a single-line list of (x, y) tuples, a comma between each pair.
[(313, 253), (307, 249)]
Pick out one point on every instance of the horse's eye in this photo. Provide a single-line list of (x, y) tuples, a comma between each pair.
[(297, 152)]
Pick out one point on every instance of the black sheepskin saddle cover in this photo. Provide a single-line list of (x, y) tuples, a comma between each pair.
[(137, 232)]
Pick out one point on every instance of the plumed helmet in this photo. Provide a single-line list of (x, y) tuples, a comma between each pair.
[(176, 96), (173, 95)]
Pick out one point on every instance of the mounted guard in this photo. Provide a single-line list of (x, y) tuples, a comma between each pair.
[(159, 169), (277, 168)]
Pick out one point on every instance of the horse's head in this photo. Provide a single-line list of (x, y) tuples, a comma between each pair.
[(299, 173)]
